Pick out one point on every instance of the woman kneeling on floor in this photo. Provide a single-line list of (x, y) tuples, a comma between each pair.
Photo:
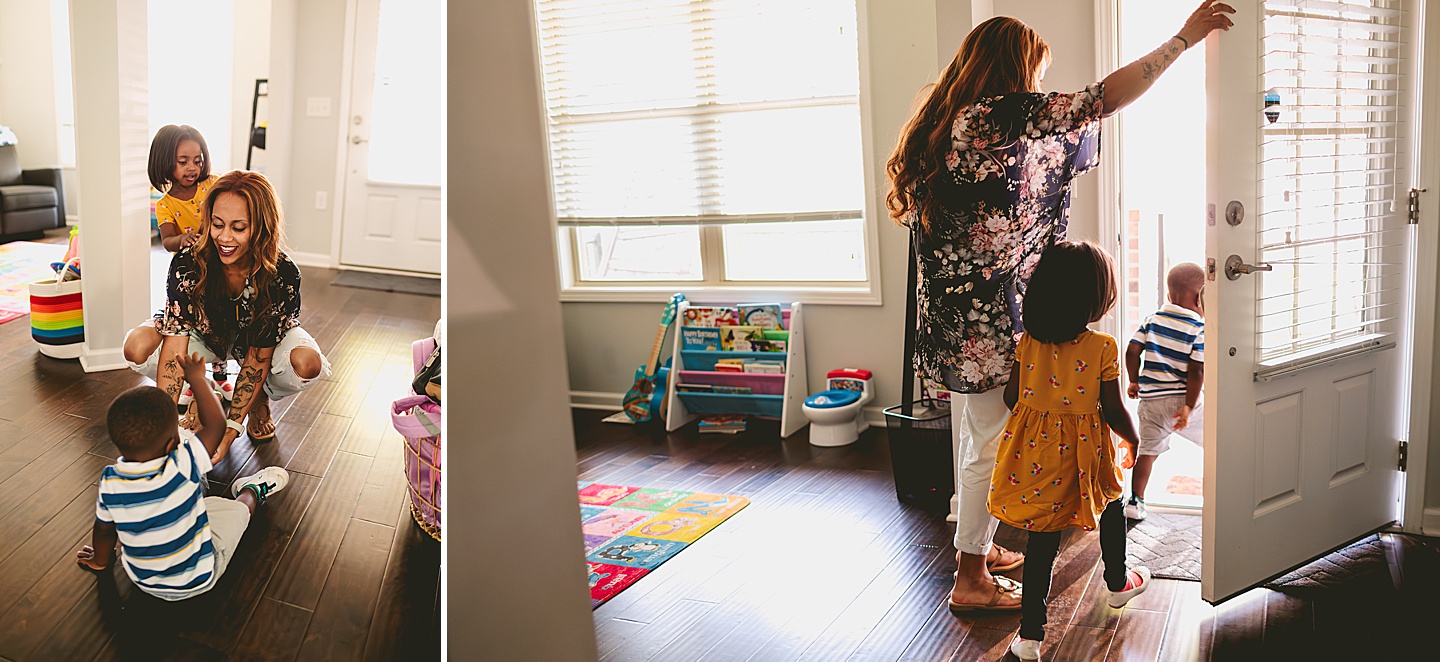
[(238, 294)]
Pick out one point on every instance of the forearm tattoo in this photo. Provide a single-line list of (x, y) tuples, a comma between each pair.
[(171, 369), (247, 387), (1154, 64)]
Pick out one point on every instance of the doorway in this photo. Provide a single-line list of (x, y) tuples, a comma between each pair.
[(391, 218), (1162, 139)]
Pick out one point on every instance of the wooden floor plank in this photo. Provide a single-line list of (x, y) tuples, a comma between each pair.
[(403, 618), (277, 632), (1138, 636), (319, 446), (385, 484), (38, 611), (302, 571), (341, 619)]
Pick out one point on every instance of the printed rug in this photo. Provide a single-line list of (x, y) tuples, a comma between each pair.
[(22, 263), (629, 531)]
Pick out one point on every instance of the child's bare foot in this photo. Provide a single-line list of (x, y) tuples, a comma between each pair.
[(258, 424)]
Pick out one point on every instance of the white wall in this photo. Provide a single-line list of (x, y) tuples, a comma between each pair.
[(27, 80), (307, 51), (251, 61), (512, 457), (904, 45)]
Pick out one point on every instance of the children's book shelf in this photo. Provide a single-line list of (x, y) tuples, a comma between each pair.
[(779, 396)]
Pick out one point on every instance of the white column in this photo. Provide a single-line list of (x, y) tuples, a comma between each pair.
[(108, 51)]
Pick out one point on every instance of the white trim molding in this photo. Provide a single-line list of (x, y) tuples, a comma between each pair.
[(103, 360), (306, 259), (597, 400)]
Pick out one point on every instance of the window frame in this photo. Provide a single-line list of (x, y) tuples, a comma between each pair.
[(713, 288)]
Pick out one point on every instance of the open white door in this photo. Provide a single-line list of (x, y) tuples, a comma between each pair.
[(392, 167), (1304, 364)]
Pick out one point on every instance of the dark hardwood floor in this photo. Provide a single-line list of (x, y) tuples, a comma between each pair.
[(332, 568), (826, 564)]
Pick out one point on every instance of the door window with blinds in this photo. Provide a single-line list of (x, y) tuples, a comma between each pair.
[(705, 142), (1332, 197)]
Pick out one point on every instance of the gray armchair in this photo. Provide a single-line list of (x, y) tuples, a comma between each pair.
[(31, 201)]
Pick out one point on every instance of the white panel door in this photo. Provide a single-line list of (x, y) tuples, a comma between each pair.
[(1304, 361), (392, 183)]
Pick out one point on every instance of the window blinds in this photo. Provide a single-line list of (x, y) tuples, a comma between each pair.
[(1330, 220), (702, 111)]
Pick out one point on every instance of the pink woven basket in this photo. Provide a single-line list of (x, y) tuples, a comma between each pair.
[(418, 419)]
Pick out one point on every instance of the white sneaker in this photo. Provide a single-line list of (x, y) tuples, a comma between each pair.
[(1135, 508), (1025, 649), (1119, 598), (265, 482)]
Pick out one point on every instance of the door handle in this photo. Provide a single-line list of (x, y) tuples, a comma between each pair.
[(1235, 266), (357, 140)]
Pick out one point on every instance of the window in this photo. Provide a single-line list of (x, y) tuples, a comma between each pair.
[(706, 144), (1331, 221), (201, 96)]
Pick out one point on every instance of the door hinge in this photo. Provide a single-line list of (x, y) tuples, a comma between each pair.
[(1414, 217), (1404, 454)]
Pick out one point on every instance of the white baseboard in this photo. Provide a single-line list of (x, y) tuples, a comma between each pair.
[(597, 400), (1431, 524), (304, 259), (102, 360)]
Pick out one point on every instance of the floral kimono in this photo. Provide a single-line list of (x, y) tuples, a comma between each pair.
[(1007, 198), (240, 326)]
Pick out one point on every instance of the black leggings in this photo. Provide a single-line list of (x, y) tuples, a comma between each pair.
[(1040, 560)]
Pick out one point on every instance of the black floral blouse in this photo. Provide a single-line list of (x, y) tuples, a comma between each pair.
[(231, 327), (1007, 198)]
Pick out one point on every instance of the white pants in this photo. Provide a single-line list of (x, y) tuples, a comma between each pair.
[(976, 422), (1157, 423), (282, 380)]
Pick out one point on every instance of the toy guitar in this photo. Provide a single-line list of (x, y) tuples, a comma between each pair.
[(637, 399)]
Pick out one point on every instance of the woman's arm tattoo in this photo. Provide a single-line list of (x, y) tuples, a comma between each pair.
[(1154, 64), (247, 386), (172, 370)]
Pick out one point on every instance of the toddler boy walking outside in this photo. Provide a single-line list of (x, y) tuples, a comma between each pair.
[(174, 541), (1166, 365)]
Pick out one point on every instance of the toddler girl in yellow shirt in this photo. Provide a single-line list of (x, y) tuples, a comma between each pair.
[(1056, 464)]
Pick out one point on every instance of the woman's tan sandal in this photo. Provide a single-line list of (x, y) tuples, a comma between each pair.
[(1003, 587), (996, 567)]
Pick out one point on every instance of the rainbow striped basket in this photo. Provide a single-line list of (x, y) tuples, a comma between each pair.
[(57, 322)]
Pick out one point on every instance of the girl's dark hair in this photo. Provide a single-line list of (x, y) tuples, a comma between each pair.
[(1072, 286), (162, 154)]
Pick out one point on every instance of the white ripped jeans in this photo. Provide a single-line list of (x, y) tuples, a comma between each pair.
[(282, 380), (976, 423)]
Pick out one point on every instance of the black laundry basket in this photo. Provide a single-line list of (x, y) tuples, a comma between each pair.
[(921, 454)]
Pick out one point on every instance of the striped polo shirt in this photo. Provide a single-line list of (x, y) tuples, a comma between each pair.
[(1170, 339), (158, 509)]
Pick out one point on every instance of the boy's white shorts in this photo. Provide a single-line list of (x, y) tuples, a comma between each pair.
[(1157, 423)]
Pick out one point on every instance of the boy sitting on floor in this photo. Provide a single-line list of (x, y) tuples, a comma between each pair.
[(175, 540)]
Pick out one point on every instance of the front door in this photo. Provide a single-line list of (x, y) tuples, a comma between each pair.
[(1307, 304), (392, 179)]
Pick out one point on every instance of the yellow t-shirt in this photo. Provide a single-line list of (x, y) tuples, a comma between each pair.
[(1055, 466), (185, 214)]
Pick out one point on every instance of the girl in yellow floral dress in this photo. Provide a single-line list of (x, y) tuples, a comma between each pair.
[(1056, 466)]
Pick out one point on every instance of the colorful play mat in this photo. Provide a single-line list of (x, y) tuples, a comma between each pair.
[(629, 531), (22, 263)]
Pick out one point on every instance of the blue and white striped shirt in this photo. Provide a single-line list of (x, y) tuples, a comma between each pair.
[(1170, 339), (158, 509)]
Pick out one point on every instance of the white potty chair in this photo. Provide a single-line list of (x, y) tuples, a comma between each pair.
[(837, 414)]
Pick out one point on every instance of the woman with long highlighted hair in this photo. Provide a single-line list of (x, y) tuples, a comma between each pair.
[(981, 176), (234, 294)]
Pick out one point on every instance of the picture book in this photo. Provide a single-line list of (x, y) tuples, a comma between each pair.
[(767, 345), (713, 316), (727, 423), (766, 367), (737, 338), (700, 337), (694, 388), (721, 388), (763, 315)]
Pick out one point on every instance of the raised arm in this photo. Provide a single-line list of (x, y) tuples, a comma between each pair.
[(168, 375), (1127, 83), (249, 385), (212, 419)]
